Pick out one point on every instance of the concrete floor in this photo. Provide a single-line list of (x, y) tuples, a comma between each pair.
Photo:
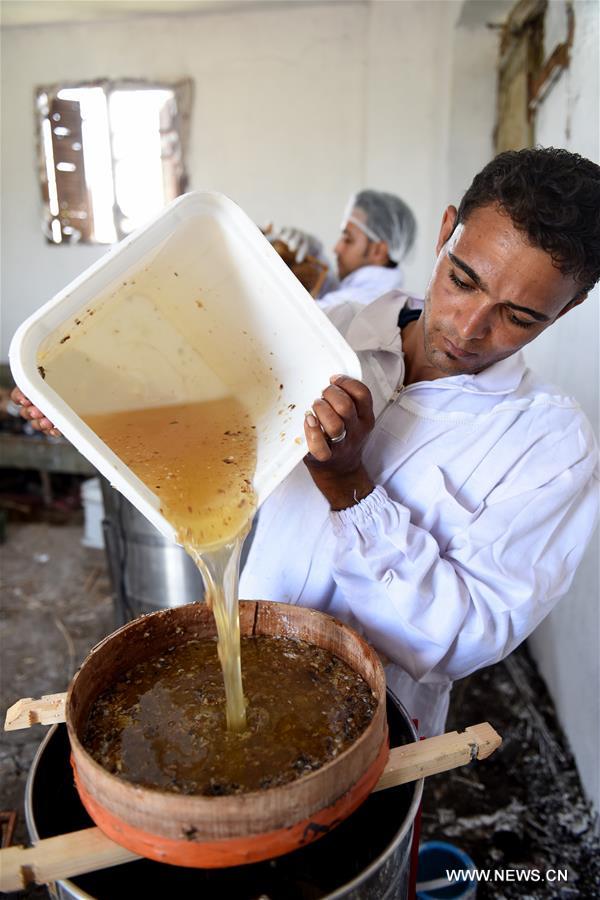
[(521, 809), (56, 604)]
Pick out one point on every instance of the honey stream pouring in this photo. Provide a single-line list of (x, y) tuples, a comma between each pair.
[(199, 458)]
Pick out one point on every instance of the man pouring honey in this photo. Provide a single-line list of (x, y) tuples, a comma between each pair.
[(446, 502)]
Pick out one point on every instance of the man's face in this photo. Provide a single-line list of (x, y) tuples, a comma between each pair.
[(490, 293), (354, 249)]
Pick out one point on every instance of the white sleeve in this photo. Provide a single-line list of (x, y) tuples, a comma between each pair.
[(441, 614)]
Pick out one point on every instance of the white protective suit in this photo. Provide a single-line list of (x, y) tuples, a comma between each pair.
[(486, 496), (362, 287)]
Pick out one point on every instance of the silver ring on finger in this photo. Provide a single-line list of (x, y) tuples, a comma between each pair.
[(339, 438)]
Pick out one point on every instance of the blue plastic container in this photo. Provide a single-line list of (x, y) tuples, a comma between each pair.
[(435, 859)]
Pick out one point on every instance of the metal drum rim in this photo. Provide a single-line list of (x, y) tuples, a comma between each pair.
[(407, 824), (29, 816), (409, 819)]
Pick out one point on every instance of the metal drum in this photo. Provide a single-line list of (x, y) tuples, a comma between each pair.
[(147, 571), (367, 857)]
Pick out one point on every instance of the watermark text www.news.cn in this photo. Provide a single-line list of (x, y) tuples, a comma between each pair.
[(507, 875)]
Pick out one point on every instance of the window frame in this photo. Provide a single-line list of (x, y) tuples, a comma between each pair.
[(174, 151)]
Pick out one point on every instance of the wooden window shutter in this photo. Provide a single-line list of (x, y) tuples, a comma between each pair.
[(75, 214)]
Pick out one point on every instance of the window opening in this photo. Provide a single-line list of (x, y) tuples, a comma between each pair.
[(112, 156)]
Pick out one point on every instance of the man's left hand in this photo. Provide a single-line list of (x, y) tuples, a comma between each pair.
[(336, 430)]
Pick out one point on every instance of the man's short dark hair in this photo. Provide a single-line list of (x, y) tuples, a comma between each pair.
[(552, 196)]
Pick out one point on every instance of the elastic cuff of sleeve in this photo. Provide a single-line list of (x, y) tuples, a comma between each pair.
[(362, 513)]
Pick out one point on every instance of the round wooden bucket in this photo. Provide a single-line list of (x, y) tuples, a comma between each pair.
[(231, 830)]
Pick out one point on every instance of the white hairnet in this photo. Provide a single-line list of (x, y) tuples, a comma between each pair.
[(387, 218)]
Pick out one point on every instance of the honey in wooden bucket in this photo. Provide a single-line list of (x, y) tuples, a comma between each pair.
[(217, 831)]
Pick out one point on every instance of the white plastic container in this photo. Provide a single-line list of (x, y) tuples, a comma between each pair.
[(195, 306), (93, 513)]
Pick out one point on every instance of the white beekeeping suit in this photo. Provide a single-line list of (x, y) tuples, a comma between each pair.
[(362, 287)]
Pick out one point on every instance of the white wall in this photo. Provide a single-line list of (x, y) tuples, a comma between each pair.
[(296, 106), (472, 108), (410, 58), (428, 152), (566, 646)]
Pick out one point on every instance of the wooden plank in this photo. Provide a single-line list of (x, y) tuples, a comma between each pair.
[(438, 754), (48, 710), (60, 857)]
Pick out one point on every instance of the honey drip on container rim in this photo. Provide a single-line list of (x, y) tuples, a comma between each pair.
[(199, 459)]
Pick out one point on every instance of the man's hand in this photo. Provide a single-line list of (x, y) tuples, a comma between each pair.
[(32, 414), (336, 430)]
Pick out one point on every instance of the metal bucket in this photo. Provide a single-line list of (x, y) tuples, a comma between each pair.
[(148, 571), (367, 857)]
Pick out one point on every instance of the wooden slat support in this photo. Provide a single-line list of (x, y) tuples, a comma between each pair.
[(59, 857), (48, 710), (438, 754), (73, 854)]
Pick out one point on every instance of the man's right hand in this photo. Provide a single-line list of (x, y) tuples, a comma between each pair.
[(32, 414)]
